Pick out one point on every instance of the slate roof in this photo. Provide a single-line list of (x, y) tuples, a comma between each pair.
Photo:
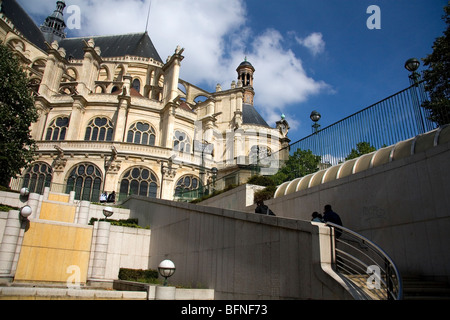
[(251, 116), (134, 44), (23, 23)]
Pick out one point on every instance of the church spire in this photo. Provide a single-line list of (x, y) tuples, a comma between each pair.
[(54, 25)]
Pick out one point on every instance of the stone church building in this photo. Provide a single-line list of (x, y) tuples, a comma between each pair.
[(115, 117)]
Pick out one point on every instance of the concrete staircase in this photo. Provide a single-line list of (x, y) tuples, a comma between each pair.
[(417, 288)]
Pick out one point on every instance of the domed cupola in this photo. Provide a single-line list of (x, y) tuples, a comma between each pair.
[(245, 76), (245, 73)]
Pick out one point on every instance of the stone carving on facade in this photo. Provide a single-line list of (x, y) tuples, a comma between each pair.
[(59, 163), (168, 169), (112, 165), (168, 172), (283, 126), (237, 119)]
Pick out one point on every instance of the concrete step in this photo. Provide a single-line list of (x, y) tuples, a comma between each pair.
[(415, 288), (30, 293)]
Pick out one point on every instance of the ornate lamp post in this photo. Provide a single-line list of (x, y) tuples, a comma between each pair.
[(412, 65), (315, 117)]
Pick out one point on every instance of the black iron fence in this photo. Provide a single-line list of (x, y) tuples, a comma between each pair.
[(396, 118)]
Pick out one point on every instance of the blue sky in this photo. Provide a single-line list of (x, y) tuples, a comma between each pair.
[(308, 55)]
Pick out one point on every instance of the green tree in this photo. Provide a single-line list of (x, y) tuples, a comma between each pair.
[(300, 164), (437, 76), (17, 113), (361, 148)]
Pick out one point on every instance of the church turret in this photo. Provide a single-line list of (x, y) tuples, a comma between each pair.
[(54, 25), (245, 76)]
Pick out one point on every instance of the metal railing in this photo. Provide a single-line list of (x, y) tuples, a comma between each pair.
[(365, 264), (393, 119), (38, 186)]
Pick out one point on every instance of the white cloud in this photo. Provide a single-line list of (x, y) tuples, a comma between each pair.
[(216, 40), (314, 42), (280, 79)]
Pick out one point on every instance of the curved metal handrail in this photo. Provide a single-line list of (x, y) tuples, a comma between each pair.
[(354, 255)]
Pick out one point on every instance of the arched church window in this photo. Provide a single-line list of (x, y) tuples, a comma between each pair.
[(187, 183), (86, 180), (137, 85), (181, 142), (141, 133), (57, 129), (139, 181), (260, 155), (99, 129), (37, 177)]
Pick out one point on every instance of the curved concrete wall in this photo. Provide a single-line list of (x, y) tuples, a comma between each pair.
[(375, 159), (398, 197)]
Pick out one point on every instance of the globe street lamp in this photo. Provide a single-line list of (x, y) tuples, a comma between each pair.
[(166, 269), (315, 117), (412, 65), (25, 212), (24, 192), (107, 212)]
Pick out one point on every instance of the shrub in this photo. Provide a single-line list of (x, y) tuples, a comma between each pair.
[(261, 181), (138, 275), (130, 223), (265, 194)]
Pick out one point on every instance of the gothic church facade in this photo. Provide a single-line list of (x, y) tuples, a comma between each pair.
[(115, 117)]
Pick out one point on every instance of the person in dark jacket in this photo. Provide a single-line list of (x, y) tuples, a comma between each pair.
[(112, 197), (263, 209), (330, 216)]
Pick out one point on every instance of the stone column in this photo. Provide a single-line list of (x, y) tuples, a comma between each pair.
[(90, 68), (165, 293), (53, 71), (77, 127), (167, 130), (8, 246), (38, 128), (122, 114), (171, 75), (83, 212), (239, 146), (100, 251), (34, 201), (168, 173)]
